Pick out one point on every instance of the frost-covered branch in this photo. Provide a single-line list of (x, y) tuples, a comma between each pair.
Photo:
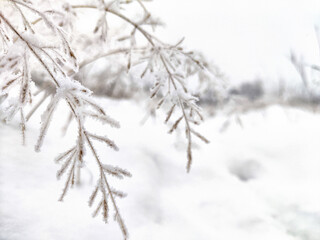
[(170, 67)]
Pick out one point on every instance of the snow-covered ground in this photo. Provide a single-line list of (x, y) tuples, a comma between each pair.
[(256, 182)]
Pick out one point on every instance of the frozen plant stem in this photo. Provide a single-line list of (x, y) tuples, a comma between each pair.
[(145, 34), (30, 48), (103, 176)]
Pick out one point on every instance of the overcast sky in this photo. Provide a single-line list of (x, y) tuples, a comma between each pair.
[(246, 38)]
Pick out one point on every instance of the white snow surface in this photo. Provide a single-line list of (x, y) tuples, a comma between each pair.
[(256, 182)]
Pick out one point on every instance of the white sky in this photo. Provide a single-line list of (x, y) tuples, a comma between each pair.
[(246, 38)]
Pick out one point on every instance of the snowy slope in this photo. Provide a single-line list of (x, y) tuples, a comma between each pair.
[(257, 182)]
